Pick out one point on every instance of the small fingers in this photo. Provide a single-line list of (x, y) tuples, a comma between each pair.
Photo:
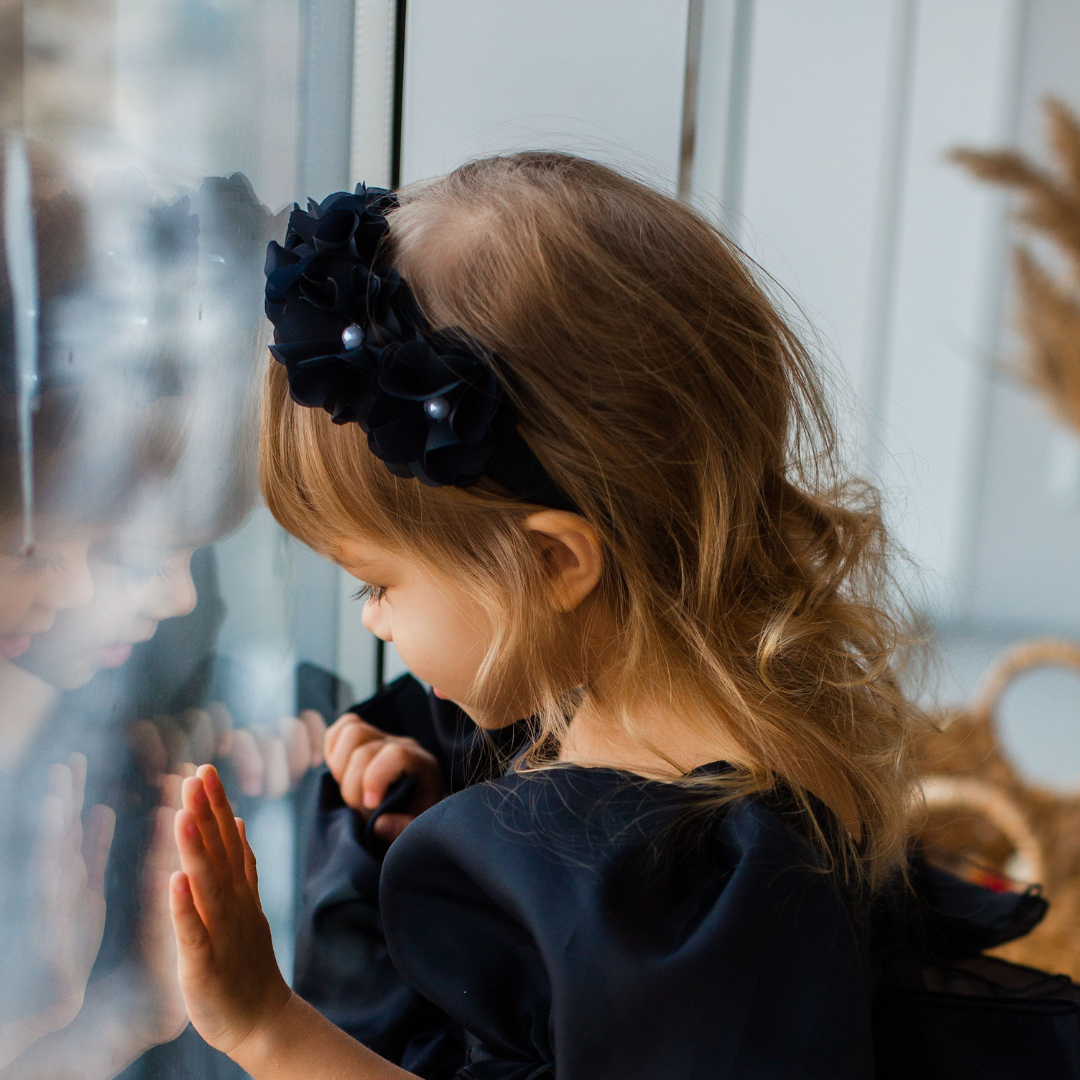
[(276, 766), (202, 738), (392, 761), (50, 852), (335, 730), (77, 764), (61, 787), (294, 734), (170, 790), (251, 870), (197, 800), (316, 727), (390, 826), (351, 736), (149, 749), (191, 933), (163, 854), (205, 879), (352, 779), (222, 728), (247, 761), (219, 804), (97, 841)]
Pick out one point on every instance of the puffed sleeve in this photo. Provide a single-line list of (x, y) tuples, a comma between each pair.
[(563, 924)]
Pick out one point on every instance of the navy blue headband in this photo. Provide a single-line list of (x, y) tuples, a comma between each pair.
[(355, 343)]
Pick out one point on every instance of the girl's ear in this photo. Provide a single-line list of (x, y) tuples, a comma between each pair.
[(571, 552)]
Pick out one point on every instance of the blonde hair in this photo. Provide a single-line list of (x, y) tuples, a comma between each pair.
[(669, 399)]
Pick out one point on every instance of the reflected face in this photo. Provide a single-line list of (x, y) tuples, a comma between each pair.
[(35, 588), (439, 630), (136, 586)]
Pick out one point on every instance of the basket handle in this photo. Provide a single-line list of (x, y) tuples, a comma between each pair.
[(1026, 656), (996, 806)]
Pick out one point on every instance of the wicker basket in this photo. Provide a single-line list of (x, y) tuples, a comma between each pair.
[(989, 822)]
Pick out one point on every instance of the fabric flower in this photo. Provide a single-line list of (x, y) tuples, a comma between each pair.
[(355, 343), (439, 413)]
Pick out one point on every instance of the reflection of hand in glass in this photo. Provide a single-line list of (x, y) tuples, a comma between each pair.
[(271, 763), (135, 1007), (70, 910), (72, 876), (267, 761), (157, 1011)]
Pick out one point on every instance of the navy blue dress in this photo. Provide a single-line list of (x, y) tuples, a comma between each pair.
[(587, 921), (594, 924)]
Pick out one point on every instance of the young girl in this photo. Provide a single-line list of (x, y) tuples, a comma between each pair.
[(551, 420)]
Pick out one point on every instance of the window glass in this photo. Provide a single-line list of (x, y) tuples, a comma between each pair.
[(149, 605)]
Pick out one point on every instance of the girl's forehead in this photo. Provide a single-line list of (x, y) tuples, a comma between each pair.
[(50, 531), (363, 554)]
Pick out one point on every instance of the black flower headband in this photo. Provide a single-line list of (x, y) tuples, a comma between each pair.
[(355, 343)]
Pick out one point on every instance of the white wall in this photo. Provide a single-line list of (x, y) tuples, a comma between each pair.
[(846, 198), (1026, 570), (603, 77), (948, 287)]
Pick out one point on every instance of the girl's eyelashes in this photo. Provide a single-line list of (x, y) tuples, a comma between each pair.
[(138, 565), (140, 574), (370, 594)]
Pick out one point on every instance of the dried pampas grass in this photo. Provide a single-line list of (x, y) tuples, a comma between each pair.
[(1049, 314)]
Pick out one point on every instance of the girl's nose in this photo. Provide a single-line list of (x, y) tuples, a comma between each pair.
[(377, 620), (174, 593)]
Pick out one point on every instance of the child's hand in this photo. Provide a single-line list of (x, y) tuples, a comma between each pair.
[(366, 761), (228, 974), (71, 882)]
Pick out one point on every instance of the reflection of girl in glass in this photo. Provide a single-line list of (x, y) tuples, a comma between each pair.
[(137, 463), (52, 903)]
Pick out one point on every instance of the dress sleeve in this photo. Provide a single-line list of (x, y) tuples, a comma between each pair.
[(598, 960), (342, 966)]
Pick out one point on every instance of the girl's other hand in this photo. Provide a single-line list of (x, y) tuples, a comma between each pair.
[(228, 974), (366, 761)]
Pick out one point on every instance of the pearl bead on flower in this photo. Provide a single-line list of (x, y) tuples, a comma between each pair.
[(352, 337), (437, 408)]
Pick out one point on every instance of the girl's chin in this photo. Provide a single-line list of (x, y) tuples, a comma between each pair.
[(14, 645), (438, 693)]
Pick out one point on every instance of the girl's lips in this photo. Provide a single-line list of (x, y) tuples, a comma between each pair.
[(438, 693), (114, 655), (14, 645)]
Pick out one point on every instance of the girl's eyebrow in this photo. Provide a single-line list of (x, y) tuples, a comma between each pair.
[(362, 567)]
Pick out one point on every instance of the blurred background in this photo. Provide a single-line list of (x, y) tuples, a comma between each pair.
[(817, 134)]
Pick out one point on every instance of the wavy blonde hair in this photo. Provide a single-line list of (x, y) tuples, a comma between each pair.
[(668, 397)]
